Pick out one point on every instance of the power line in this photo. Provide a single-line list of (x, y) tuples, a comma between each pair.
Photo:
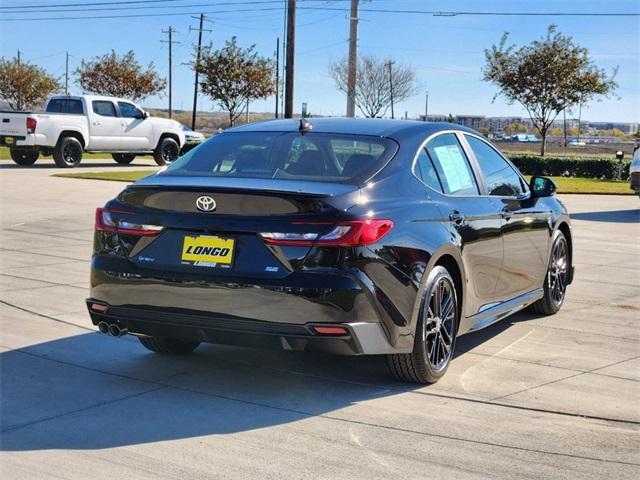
[(89, 4)]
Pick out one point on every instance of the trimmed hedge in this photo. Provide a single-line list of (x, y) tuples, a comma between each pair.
[(603, 169)]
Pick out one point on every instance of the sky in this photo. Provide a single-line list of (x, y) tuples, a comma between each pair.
[(446, 52)]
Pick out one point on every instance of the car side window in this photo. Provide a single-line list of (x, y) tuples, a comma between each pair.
[(104, 108), (452, 166), (500, 177), (425, 170), (128, 110)]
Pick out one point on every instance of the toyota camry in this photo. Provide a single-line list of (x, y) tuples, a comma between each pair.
[(347, 236)]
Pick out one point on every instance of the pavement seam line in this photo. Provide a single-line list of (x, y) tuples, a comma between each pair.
[(48, 317), (51, 284)]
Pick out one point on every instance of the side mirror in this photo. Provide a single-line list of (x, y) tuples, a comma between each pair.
[(143, 115), (542, 187)]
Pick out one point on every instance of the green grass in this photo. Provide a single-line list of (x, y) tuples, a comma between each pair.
[(116, 176), (565, 184)]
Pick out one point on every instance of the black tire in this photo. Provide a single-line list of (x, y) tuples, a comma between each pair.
[(123, 158), (169, 346), (432, 352), (167, 151), (24, 157), (68, 152), (556, 279)]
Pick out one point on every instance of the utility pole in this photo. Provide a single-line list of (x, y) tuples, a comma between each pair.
[(18, 57), (247, 120), (390, 63), (170, 32), (289, 67), (579, 118), (66, 73), (426, 107), (277, 73), (353, 60), (564, 124), (195, 88)]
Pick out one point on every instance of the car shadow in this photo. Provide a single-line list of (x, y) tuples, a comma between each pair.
[(613, 216), (92, 392)]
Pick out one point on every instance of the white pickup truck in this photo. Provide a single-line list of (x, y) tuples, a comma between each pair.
[(72, 125)]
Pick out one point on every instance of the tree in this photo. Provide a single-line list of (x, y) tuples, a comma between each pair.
[(23, 85), (235, 75), (117, 76), (451, 119), (374, 82), (546, 76)]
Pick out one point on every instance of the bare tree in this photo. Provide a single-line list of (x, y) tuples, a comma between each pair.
[(375, 80)]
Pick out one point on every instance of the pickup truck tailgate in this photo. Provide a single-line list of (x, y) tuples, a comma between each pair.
[(13, 123)]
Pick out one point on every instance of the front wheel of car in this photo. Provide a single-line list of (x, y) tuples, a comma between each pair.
[(24, 157), (171, 346), (556, 279), (166, 152), (435, 333)]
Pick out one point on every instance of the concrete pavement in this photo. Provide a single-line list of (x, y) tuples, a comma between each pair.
[(531, 397)]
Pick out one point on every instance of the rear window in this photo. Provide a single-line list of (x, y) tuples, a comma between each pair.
[(320, 157), (65, 105)]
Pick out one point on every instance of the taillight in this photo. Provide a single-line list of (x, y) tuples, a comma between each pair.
[(31, 125), (354, 233), (106, 223)]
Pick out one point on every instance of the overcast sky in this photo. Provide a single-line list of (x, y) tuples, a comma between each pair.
[(445, 51)]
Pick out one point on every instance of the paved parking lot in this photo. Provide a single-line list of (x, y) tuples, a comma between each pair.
[(531, 397)]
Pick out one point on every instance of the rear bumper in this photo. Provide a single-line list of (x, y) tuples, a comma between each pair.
[(278, 313), (27, 142), (362, 338)]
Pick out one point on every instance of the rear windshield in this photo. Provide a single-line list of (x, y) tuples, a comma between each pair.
[(320, 157), (65, 105)]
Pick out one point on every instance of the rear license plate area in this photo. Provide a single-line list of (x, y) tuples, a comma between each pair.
[(208, 251)]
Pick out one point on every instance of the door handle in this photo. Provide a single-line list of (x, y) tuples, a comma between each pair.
[(456, 217), (97, 123)]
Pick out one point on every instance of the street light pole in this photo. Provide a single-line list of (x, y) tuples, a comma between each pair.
[(290, 59), (426, 107), (353, 60)]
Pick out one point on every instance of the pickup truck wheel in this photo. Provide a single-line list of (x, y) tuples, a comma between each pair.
[(123, 158), (166, 152), (24, 157), (68, 152)]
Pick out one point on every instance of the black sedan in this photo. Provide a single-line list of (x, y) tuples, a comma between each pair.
[(336, 235)]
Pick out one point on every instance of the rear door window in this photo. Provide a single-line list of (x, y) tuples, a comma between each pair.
[(65, 105), (104, 108), (452, 165), (426, 172)]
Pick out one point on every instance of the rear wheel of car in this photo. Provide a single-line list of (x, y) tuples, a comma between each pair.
[(68, 152), (172, 346), (123, 158), (556, 280), (435, 333), (24, 157), (166, 152)]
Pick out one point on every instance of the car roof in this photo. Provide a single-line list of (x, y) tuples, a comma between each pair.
[(354, 126)]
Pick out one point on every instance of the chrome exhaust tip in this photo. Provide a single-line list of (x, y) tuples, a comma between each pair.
[(103, 327), (116, 331)]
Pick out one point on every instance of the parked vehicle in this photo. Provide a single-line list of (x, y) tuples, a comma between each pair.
[(191, 136), (72, 125), (346, 236), (634, 171)]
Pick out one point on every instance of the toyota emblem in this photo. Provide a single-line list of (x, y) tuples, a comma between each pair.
[(205, 203)]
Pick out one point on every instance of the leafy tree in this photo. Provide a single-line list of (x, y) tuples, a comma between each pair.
[(546, 76), (451, 119), (117, 76), (23, 85), (513, 128), (374, 81), (235, 75)]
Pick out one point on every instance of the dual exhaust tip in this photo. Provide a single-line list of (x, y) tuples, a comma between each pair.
[(112, 329)]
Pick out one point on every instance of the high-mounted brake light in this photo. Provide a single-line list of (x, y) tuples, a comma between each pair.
[(31, 125), (354, 233), (106, 223)]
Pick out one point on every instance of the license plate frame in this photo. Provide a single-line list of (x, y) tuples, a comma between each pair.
[(208, 251)]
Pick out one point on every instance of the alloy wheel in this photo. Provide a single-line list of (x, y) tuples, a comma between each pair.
[(169, 153), (439, 324), (71, 154), (557, 276)]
